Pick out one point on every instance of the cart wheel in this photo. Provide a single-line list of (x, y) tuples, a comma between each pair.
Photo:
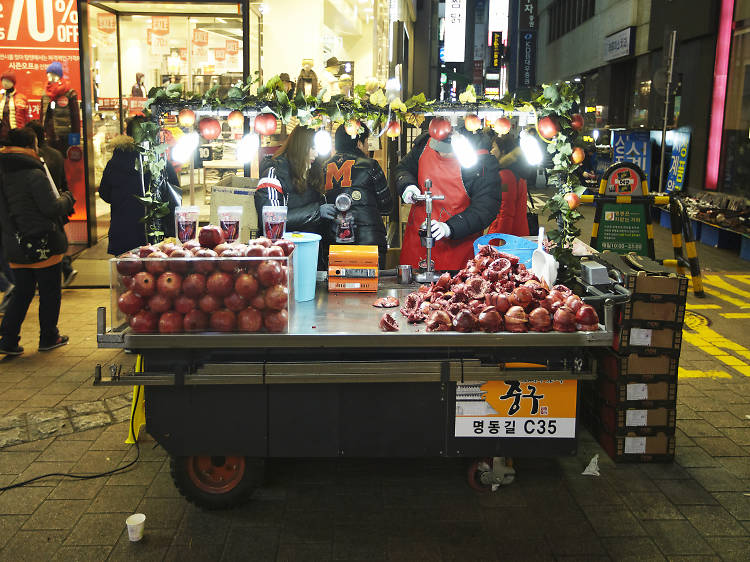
[(216, 482), (482, 466)]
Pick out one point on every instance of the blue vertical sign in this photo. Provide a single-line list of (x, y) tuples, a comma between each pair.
[(680, 141), (635, 147)]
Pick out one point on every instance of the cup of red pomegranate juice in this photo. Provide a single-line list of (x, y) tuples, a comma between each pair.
[(186, 222), (229, 222), (274, 222)]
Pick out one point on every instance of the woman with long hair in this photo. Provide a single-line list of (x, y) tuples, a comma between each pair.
[(300, 174)]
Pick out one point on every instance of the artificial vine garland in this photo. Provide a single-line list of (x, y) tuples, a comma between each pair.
[(553, 105)]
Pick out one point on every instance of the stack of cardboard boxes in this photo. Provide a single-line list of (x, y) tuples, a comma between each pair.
[(631, 407)]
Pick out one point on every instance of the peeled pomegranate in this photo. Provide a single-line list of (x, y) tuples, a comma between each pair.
[(573, 302), (565, 291), (388, 323), (465, 321), (586, 319), (490, 320), (516, 319), (444, 281), (521, 296), (540, 320), (564, 320), (499, 301)]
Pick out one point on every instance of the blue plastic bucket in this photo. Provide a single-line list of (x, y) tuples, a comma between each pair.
[(304, 263), (513, 245)]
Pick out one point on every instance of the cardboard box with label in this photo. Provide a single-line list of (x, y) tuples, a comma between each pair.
[(634, 365), (651, 340), (641, 421), (646, 392)]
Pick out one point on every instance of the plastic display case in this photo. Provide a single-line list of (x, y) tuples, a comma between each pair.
[(192, 294)]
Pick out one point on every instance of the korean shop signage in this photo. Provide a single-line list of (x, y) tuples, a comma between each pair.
[(678, 161), (527, 16), (623, 226), (516, 409), (527, 59), (455, 31), (619, 44), (496, 50), (633, 146)]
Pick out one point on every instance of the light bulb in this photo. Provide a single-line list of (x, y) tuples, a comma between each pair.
[(531, 149), (247, 148), (463, 150), (184, 147), (322, 142)]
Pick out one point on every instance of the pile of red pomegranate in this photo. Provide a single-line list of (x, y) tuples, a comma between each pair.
[(496, 293), (206, 285)]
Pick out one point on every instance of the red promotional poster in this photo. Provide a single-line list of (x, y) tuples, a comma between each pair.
[(34, 34), (160, 25), (106, 23), (200, 37), (233, 46), (220, 54)]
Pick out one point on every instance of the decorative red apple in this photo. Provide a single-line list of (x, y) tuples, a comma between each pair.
[(169, 284), (352, 127), (235, 119), (394, 130), (223, 321), (578, 155), (472, 123), (186, 118), (547, 128), (209, 128), (502, 125), (144, 284), (170, 323), (210, 236), (195, 321), (220, 284), (144, 322), (130, 303), (265, 124), (249, 320), (576, 121), (440, 128), (572, 200)]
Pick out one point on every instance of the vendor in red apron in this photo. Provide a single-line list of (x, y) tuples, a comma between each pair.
[(471, 187)]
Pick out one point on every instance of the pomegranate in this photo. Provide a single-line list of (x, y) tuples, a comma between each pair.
[(209, 303), (249, 320), (388, 323), (516, 319), (490, 320), (210, 236), (586, 319), (194, 285), (144, 322), (275, 321), (204, 264), (439, 321), (169, 284), (540, 320), (564, 320), (156, 264), (521, 296), (223, 321), (180, 265), (129, 264), (220, 284), (184, 304), (235, 302), (170, 323), (246, 285), (159, 303), (465, 321), (195, 321), (144, 284), (573, 302), (269, 273), (130, 303)]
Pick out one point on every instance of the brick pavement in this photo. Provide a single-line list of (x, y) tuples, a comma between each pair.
[(696, 508)]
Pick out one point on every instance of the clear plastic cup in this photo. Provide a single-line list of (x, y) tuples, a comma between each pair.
[(136, 524), (229, 222), (274, 222), (186, 222)]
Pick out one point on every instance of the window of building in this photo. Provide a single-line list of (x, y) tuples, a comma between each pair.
[(566, 15)]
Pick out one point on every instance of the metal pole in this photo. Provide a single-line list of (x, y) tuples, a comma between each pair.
[(670, 67)]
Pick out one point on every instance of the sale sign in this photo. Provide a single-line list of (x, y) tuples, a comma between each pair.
[(160, 25), (220, 55), (200, 37), (33, 34), (233, 46), (106, 22)]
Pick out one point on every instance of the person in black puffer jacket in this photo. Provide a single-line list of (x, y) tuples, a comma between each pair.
[(30, 208), (350, 171), (120, 185), (300, 175)]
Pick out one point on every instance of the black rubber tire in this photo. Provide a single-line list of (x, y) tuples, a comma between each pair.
[(247, 481)]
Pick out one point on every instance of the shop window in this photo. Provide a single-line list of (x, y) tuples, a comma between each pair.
[(735, 156), (566, 15)]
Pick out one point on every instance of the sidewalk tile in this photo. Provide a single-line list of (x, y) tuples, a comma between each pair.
[(164, 512), (651, 505), (77, 489), (635, 549), (88, 435), (719, 447), (56, 514), (117, 499), (698, 428), (152, 547), (96, 462), (304, 527), (629, 477), (203, 528), (664, 471), (7, 406), (141, 474), (33, 380), (64, 451), (12, 462), (163, 487), (677, 537), (738, 466), (712, 520), (263, 542), (398, 549), (477, 549), (731, 549), (13, 436), (197, 553), (51, 428), (689, 457), (38, 468), (686, 492), (86, 408), (32, 545), (91, 421), (81, 553), (736, 503), (687, 413), (592, 491), (613, 521), (740, 435), (724, 419), (717, 479), (9, 524), (97, 529)]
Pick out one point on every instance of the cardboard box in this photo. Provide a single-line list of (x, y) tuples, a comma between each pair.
[(645, 276), (632, 447), (647, 337), (634, 366), (669, 313), (644, 392), (638, 421)]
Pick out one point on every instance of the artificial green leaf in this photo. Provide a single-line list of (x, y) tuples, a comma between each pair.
[(282, 98)]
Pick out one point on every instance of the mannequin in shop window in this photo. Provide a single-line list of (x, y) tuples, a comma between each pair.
[(60, 114), (14, 106), (330, 79), (307, 82), (139, 88), (287, 84)]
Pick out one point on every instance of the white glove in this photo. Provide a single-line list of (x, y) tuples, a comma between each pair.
[(409, 193), (440, 230)]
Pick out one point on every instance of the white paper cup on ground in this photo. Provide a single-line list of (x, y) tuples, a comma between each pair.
[(135, 523)]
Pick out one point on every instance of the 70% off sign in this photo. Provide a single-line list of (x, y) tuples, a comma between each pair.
[(45, 20)]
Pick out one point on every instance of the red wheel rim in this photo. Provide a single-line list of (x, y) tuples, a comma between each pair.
[(473, 476), (216, 475)]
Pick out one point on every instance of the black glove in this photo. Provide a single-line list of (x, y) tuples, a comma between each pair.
[(328, 211)]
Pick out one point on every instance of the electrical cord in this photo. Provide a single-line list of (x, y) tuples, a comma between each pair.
[(87, 476)]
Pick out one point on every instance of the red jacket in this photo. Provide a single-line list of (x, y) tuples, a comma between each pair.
[(512, 216), (14, 109)]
